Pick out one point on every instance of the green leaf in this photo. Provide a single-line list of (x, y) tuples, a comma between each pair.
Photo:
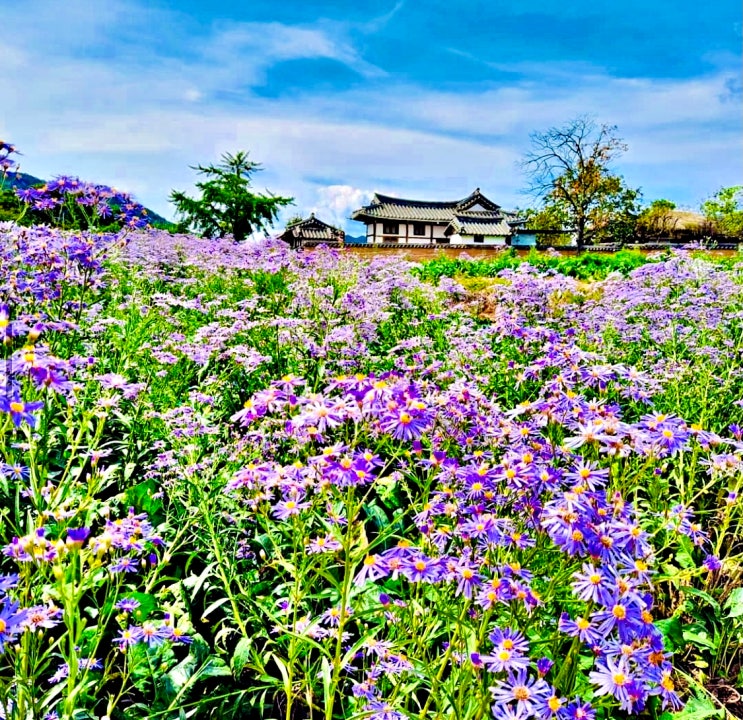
[(214, 606), (734, 603), (284, 674), (697, 634), (683, 555), (696, 709), (147, 604), (327, 677), (241, 656), (141, 497), (673, 633), (705, 596)]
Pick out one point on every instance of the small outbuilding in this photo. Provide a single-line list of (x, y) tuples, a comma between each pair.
[(311, 232)]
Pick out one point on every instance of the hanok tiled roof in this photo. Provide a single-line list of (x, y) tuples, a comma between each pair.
[(313, 229), (384, 207), (470, 224)]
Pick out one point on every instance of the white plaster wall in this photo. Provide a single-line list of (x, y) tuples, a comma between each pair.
[(470, 240), (438, 232)]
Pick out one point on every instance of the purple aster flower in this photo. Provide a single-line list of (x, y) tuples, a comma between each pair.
[(523, 689), (124, 564), (16, 472), (621, 613), (667, 691), (61, 673), (178, 636), (19, 410), (129, 636), (544, 665), (613, 677), (578, 710), (77, 536), (153, 635), (47, 377), (12, 621), (127, 605), (42, 616), (403, 425), (503, 660), (467, 579), (287, 508), (592, 585), (420, 568), (373, 568), (509, 639), (551, 707), (7, 582), (327, 544), (381, 710), (588, 632), (712, 563)]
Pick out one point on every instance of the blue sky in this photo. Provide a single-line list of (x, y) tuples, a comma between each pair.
[(417, 98)]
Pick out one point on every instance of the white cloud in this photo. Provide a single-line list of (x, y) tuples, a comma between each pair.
[(336, 202)]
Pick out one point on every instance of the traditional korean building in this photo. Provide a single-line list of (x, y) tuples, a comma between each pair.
[(310, 232), (475, 220)]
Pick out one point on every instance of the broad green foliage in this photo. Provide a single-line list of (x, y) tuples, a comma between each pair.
[(239, 481), (725, 211)]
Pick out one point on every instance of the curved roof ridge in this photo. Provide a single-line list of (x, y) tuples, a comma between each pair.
[(408, 201)]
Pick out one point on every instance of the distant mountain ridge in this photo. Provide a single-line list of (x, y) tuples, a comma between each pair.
[(22, 181)]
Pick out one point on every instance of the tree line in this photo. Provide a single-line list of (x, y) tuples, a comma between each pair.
[(570, 170)]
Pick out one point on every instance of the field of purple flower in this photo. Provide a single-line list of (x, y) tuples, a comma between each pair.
[(243, 482)]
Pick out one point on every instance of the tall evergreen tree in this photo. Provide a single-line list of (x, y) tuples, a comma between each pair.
[(227, 204)]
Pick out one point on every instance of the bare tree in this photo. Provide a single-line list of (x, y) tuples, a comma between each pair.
[(569, 169)]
